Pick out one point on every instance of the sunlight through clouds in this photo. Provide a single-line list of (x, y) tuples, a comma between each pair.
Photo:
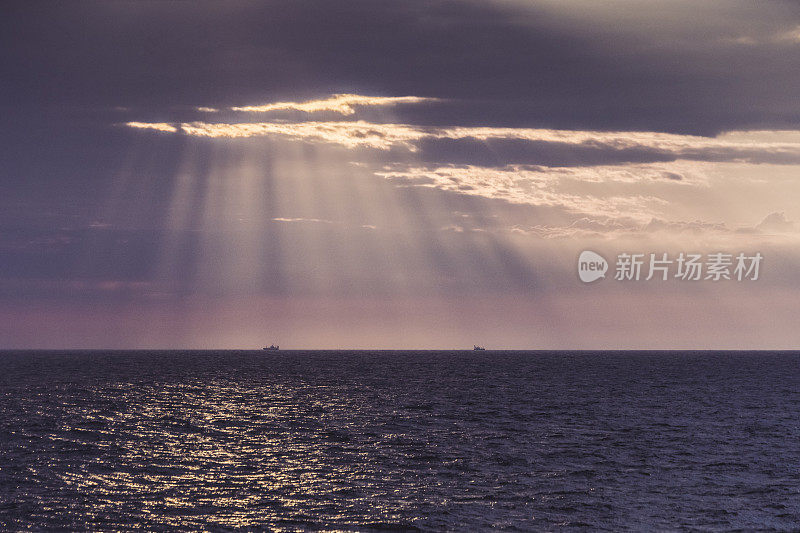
[(522, 186), (281, 158), (646, 188), (157, 126), (338, 103), (757, 146), (349, 134)]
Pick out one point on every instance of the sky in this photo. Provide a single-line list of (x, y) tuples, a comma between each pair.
[(397, 174)]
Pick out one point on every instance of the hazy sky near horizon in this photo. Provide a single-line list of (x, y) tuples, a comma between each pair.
[(395, 174)]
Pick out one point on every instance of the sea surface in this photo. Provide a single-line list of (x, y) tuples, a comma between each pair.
[(369, 440)]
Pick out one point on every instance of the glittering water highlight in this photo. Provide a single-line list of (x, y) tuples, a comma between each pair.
[(359, 441)]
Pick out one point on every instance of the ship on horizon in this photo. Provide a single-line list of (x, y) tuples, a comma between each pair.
[(271, 348), (477, 348)]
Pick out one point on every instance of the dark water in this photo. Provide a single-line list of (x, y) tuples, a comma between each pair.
[(392, 440)]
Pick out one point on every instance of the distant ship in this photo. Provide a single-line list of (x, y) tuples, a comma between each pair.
[(477, 348), (272, 348)]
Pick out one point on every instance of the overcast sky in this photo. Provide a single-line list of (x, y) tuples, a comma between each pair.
[(404, 174)]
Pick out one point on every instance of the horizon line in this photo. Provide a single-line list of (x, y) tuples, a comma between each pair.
[(530, 350)]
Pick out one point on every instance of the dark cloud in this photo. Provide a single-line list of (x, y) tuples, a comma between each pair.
[(541, 65), (71, 70), (673, 176), (500, 152)]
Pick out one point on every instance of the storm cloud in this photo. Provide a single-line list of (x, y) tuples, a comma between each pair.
[(627, 64)]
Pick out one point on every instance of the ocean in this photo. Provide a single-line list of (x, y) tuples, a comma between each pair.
[(399, 440)]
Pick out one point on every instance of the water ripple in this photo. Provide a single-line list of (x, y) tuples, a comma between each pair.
[(340, 441)]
